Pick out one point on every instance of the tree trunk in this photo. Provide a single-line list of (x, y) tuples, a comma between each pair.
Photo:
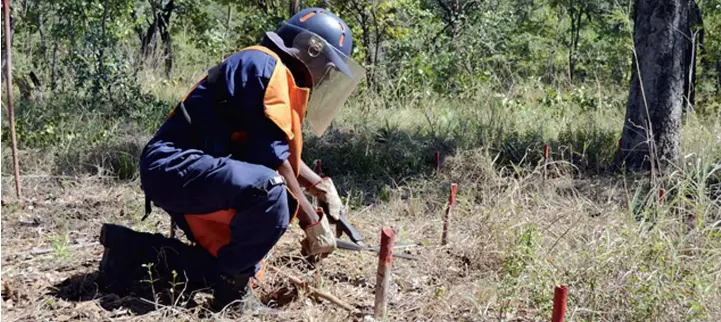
[(696, 33), (101, 50), (293, 7), (54, 66), (225, 32), (149, 42), (164, 28), (652, 126), (718, 72), (41, 31), (576, 16)]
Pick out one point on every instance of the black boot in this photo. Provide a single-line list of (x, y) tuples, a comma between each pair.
[(122, 261), (234, 293), (126, 251)]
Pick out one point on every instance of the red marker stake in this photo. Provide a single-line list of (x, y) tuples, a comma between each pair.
[(438, 162), (545, 151), (560, 296), (451, 201), (383, 278), (661, 196)]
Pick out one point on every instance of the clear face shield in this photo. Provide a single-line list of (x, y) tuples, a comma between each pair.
[(335, 76)]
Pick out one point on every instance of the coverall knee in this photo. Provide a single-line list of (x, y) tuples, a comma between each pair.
[(235, 210)]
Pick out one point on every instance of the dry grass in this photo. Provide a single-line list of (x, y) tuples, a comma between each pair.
[(514, 236)]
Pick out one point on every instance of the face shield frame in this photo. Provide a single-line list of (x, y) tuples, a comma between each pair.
[(335, 76)]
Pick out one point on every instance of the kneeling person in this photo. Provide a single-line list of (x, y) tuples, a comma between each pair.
[(227, 166)]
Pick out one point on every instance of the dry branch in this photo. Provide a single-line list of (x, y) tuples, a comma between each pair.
[(324, 295)]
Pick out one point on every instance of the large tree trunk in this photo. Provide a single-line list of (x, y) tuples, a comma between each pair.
[(652, 127)]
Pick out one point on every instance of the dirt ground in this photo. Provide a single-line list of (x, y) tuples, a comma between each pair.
[(50, 258)]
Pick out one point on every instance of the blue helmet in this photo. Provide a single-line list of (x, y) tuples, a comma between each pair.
[(320, 22), (326, 25)]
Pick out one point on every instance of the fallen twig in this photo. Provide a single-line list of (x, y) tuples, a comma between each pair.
[(324, 295)]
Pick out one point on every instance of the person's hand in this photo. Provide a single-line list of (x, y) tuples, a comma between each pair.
[(328, 198), (319, 238)]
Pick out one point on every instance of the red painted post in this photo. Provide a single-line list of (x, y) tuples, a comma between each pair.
[(560, 296), (661, 196), (446, 217), (11, 109), (383, 278), (545, 151), (438, 162)]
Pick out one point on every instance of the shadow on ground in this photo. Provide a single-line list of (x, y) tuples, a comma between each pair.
[(84, 287)]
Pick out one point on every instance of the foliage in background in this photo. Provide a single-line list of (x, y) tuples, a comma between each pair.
[(485, 83), (91, 71)]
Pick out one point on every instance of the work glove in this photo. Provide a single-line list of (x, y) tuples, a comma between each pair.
[(328, 198), (319, 238)]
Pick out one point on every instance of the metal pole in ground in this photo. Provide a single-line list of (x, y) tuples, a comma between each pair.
[(446, 217), (11, 110), (560, 296), (383, 279)]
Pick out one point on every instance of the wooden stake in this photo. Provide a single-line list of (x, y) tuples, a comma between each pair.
[(446, 217), (321, 294), (438, 162), (11, 109), (560, 296), (545, 161), (383, 278), (661, 196)]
